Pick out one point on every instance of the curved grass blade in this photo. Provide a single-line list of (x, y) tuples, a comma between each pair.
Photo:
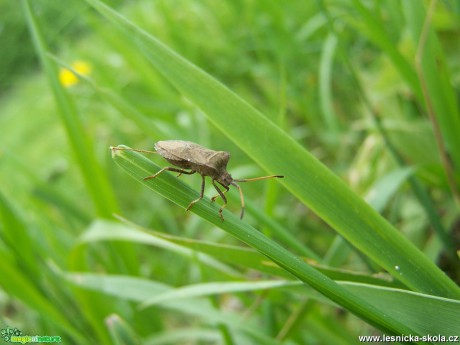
[(306, 177), (96, 183), (178, 192)]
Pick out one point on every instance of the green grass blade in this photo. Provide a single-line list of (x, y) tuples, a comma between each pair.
[(325, 85), (182, 336), (139, 290), (96, 182), (439, 95), (306, 177), (381, 39), (204, 252), (120, 332), (424, 313), (374, 28), (118, 103), (386, 187), (15, 236), (109, 231), (215, 288), (178, 192), (15, 283)]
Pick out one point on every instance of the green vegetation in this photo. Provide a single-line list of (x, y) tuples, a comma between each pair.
[(354, 102)]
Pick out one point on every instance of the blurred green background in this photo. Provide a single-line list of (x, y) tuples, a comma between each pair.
[(339, 77)]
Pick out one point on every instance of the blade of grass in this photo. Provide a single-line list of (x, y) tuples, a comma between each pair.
[(139, 290), (181, 194), (277, 230), (118, 103), (195, 335), (102, 230), (375, 30), (439, 314), (384, 188), (306, 177), (416, 185), (424, 313), (215, 288), (15, 283), (377, 196), (438, 95), (120, 331), (325, 86), (96, 183), (95, 179), (16, 237)]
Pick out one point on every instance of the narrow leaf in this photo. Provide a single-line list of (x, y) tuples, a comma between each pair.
[(306, 177), (175, 190)]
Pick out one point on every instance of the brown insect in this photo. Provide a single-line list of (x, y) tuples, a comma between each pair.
[(206, 162)]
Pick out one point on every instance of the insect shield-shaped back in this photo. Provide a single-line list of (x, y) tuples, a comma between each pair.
[(188, 155), (206, 162)]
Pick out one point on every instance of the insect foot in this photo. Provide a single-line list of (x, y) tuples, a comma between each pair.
[(191, 158)]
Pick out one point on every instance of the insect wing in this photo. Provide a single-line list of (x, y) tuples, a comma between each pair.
[(174, 149), (189, 151)]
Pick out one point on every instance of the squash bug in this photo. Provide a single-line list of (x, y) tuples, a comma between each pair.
[(206, 162)]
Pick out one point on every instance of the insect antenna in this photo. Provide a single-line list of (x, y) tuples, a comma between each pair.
[(250, 180), (127, 149), (259, 178)]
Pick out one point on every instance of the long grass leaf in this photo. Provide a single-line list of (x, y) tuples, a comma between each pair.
[(139, 290), (306, 177), (96, 183), (178, 192), (16, 283)]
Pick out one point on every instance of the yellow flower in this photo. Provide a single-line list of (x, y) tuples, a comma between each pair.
[(67, 78)]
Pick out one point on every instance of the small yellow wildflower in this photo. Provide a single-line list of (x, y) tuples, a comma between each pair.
[(67, 78)]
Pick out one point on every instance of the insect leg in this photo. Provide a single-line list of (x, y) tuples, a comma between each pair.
[(223, 198), (185, 172), (180, 171), (225, 191), (241, 197), (201, 194)]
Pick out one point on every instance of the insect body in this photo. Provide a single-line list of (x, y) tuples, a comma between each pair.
[(206, 162)]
